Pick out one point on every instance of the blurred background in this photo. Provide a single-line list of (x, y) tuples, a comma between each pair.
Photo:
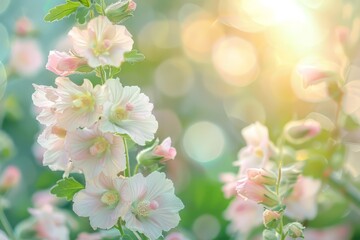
[(212, 67)]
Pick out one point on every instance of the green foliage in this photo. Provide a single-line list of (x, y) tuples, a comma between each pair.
[(86, 3), (315, 167), (61, 11), (67, 187), (134, 56), (81, 15)]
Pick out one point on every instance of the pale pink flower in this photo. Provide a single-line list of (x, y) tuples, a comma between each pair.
[(342, 232), (101, 43), (63, 64), (302, 130), (102, 201), (128, 111), (256, 192), (302, 203), (23, 26), (165, 150), (312, 75), (243, 215), (258, 148), (154, 206), (52, 139), (50, 224), (94, 152), (176, 236), (26, 57), (351, 98), (44, 98), (230, 181), (10, 178), (89, 236), (78, 106), (261, 176), (44, 197)]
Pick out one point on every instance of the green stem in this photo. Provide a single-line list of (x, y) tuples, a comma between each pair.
[(136, 170), (7, 227), (127, 170), (278, 181)]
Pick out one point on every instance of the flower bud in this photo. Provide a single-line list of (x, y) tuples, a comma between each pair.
[(271, 218), (120, 10), (261, 176), (301, 131), (23, 26), (63, 64), (313, 75), (10, 178), (256, 192), (157, 153), (269, 235), (295, 230)]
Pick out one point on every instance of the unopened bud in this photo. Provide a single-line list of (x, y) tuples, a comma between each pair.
[(295, 230), (120, 10), (313, 75), (271, 218), (301, 131), (261, 176), (10, 178), (256, 192), (157, 153), (269, 235)]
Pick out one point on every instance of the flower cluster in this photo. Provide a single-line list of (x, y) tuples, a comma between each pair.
[(87, 127)]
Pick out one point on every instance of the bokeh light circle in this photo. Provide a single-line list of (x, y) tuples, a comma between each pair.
[(4, 4), (204, 141), (206, 227), (174, 77), (235, 60)]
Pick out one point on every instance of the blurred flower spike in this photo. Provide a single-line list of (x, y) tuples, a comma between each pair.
[(298, 132)]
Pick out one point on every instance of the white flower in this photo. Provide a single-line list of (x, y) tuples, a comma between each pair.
[(101, 201), (101, 43), (128, 112), (94, 152), (302, 203), (154, 206), (44, 99), (50, 224), (78, 106)]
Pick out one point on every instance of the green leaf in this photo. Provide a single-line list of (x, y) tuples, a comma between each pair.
[(81, 14), (99, 9), (67, 187), (86, 3), (61, 11), (134, 56)]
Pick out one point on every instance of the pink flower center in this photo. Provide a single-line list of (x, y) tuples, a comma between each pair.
[(100, 145), (143, 208)]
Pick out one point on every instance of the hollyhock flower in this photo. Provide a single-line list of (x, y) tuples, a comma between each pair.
[(101, 43), (256, 192), (128, 111), (44, 197), (78, 106), (342, 232), (165, 150), (301, 204), (26, 57), (154, 206), (44, 98), (261, 176), (94, 152), (89, 236), (52, 139), (302, 130), (63, 64), (10, 178), (243, 215), (351, 99), (230, 181), (23, 26), (258, 148), (49, 223), (102, 201)]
